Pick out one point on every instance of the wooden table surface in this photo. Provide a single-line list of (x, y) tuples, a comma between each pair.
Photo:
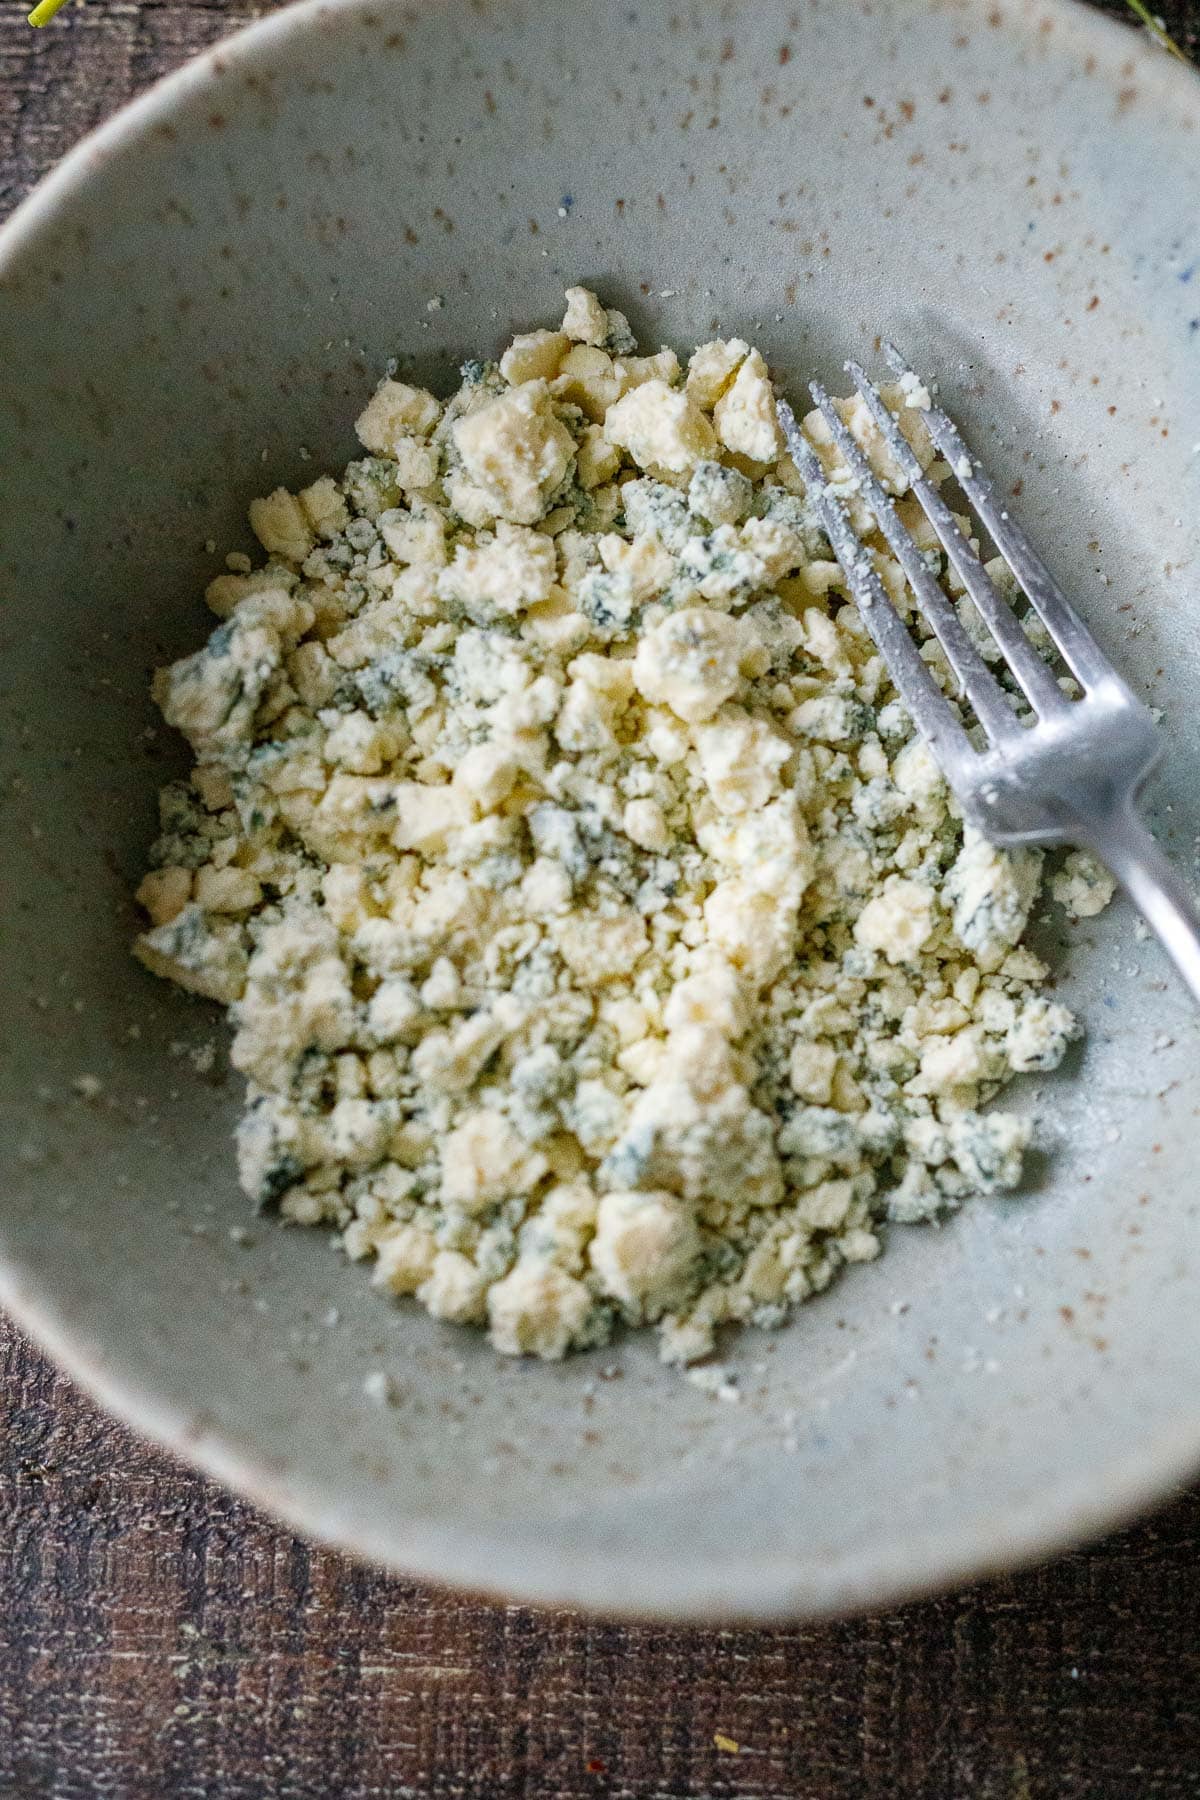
[(162, 1641)]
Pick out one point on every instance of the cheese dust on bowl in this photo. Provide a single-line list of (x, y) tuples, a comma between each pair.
[(601, 944)]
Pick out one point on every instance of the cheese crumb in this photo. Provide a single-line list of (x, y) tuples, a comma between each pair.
[(1083, 887), (661, 428)]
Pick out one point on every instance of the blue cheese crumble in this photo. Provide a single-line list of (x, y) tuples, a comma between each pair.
[(600, 943)]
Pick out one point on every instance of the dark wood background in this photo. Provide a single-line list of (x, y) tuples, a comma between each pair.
[(162, 1641)]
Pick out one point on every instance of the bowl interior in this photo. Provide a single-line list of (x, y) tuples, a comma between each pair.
[(192, 311)]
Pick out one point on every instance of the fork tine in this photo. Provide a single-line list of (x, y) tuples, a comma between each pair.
[(978, 683), (1079, 648), (931, 711), (1032, 673)]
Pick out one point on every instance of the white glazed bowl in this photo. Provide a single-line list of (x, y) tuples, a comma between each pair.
[(212, 283)]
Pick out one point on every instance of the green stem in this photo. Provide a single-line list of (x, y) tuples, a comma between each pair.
[(1156, 30)]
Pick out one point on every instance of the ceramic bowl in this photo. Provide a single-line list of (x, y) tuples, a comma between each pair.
[(192, 309)]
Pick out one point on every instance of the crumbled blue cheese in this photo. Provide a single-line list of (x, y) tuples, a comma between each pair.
[(744, 416), (1082, 886), (515, 453), (660, 428), (600, 943)]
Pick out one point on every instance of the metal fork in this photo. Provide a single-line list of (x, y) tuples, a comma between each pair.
[(1071, 775)]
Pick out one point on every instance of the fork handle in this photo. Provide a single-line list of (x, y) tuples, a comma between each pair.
[(1154, 884)]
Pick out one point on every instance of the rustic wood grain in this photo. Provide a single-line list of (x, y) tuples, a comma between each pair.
[(160, 1640)]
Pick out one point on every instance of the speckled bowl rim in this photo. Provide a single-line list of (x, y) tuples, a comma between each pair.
[(1056, 1518)]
